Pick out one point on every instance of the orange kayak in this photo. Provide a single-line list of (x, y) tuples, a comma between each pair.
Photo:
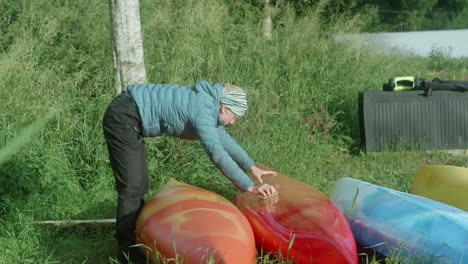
[(300, 223), (195, 225)]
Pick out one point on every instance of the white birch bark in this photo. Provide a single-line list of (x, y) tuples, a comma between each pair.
[(266, 22), (127, 43)]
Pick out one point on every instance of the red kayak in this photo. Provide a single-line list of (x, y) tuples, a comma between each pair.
[(300, 223), (194, 225)]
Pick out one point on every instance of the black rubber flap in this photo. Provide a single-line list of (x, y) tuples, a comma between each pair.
[(412, 120)]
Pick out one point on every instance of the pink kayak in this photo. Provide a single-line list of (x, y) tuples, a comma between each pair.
[(300, 223)]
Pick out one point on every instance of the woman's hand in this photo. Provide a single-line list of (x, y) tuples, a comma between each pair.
[(264, 189), (258, 173)]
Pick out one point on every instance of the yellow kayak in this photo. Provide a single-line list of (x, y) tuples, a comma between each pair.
[(443, 183)]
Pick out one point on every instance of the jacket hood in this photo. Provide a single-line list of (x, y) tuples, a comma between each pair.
[(213, 90)]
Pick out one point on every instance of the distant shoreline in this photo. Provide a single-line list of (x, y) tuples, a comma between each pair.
[(452, 43)]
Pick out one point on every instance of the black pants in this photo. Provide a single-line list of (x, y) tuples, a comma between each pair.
[(127, 154)]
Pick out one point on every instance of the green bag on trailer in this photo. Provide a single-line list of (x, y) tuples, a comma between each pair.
[(416, 83)]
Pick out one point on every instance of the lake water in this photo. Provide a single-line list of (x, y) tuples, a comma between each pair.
[(453, 43)]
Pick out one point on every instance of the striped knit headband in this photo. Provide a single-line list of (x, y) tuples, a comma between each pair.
[(235, 101)]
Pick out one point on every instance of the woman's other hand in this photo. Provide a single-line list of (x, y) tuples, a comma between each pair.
[(258, 173)]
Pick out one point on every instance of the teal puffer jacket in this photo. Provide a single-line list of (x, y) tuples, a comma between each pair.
[(192, 113)]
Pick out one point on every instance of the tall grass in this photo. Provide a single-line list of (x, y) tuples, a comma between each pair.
[(56, 57)]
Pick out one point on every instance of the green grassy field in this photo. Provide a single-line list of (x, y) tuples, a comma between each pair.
[(56, 81)]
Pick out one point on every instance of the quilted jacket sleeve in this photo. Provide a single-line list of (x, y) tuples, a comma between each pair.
[(234, 150), (211, 142)]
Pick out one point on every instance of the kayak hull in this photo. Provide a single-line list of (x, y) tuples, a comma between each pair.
[(300, 223), (443, 183), (188, 223), (394, 222)]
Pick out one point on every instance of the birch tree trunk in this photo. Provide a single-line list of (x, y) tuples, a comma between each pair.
[(266, 22), (127, 43)]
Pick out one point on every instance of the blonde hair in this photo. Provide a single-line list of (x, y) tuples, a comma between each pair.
[(229, 88)]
